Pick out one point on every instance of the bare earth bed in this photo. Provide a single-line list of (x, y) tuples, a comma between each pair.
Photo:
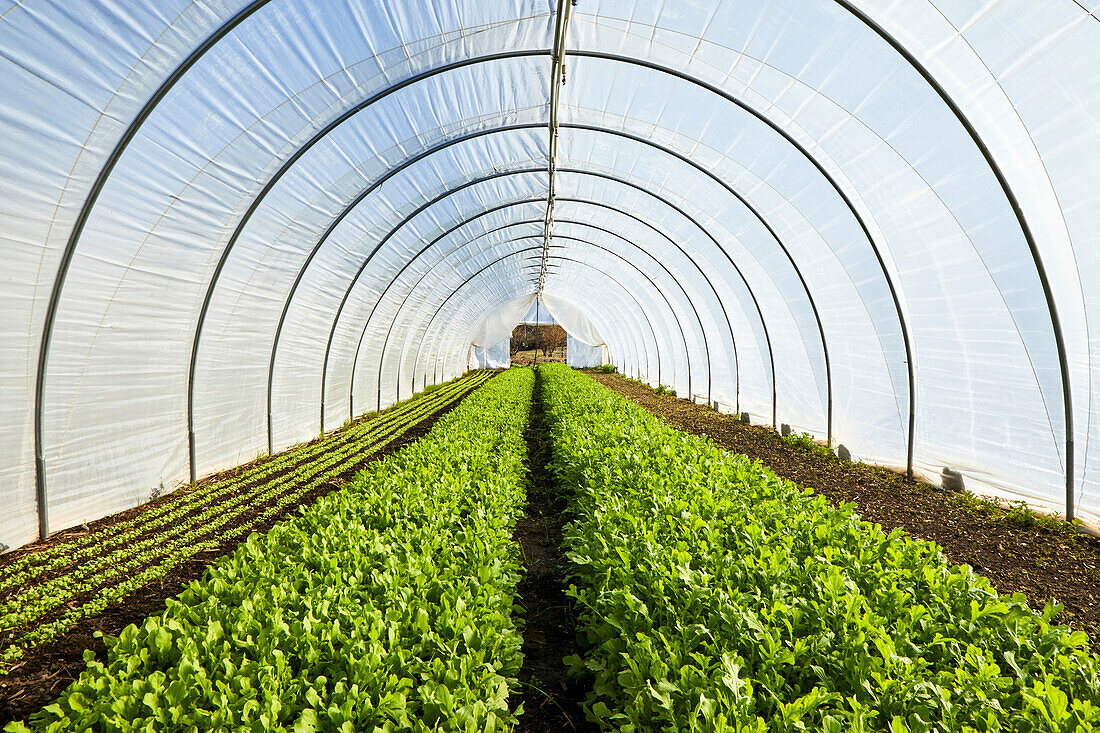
[(1015, 553)]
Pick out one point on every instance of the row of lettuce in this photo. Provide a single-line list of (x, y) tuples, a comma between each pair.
[(716, 596), (712, 596), (387, 605), (44, 594)]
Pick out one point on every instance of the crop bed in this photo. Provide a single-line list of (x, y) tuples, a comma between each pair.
[(1017, 550), (718, 595), (384, 606), (47, 591), (549, 523)]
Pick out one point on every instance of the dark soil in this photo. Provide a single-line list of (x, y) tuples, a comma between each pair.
[(552, 699), (47, 670), (1018, 554), (530, 358)]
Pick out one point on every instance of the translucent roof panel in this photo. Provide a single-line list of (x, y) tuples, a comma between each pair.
[(228, 225)]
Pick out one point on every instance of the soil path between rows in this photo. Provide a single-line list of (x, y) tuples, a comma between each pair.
[(47, 670), (552, 699), (1043, 564)]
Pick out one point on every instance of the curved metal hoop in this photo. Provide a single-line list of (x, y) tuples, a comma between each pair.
[(228, 26), (566, 259), (497, 174), (1025, 228), (448, 143), (653, 285), (774, 235), (467, 220)]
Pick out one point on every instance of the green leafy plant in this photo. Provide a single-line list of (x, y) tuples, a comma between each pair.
[(974, 503), (606, 369), (805, 443), (99, 569), (1017, 514), (716, 596), (385, 606)]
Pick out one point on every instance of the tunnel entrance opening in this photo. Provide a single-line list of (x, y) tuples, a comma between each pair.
[(537, 343)]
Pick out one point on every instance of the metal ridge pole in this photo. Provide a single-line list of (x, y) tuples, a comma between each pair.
[(557, 80)]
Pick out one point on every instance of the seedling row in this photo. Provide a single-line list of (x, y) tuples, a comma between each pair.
[(715, 595), (385, 606), (711, 595), (87, 575)]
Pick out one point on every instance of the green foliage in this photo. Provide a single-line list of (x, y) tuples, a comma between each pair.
[(1019, 514), (976, 504), (662, 389), (1016, 513), (606, 369), (805, 443), (124, 556), (719, 597), (385, 606)]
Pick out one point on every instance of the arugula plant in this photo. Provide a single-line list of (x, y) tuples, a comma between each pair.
[(111, 562), (107, 561), (716, 596), (385, 606), (56, 557)]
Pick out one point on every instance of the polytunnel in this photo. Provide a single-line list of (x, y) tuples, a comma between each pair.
[(230, 226)]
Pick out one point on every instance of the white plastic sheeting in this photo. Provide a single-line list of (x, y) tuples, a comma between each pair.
[(584, 347), (538, 313), (229, 224), (579, 354), (498, 326), (573, 319), (497, 356)]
